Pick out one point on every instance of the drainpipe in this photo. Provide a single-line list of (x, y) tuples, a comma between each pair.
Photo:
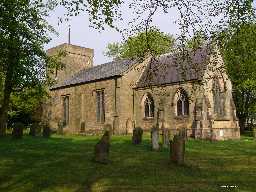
[(133, 109), (115, 106)]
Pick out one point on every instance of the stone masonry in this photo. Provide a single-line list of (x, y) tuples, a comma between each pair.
[(199, 101)]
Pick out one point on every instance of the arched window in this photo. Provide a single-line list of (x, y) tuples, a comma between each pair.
[(182, 103), (149, 106)]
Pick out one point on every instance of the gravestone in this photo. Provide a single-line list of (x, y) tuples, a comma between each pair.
[(154, 139), (46, 130), (165, 137), (108, 127), (101, 150), (60, 127), (17, 132), (177, 149), (137, 135), (34, 126)]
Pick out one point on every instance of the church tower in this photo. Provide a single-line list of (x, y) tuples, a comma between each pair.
[(74, 59)]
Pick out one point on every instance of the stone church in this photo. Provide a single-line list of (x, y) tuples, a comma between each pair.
[(178, 90)]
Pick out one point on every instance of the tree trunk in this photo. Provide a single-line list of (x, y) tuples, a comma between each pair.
[(242, 122), (4, 109), (8, 86)]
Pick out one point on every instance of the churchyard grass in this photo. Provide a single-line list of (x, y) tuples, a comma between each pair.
[(64, 164)]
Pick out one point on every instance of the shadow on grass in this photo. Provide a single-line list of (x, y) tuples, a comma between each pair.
[(65, 164)]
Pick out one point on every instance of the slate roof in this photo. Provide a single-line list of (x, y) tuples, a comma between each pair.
[(99, 72), (176, 67)]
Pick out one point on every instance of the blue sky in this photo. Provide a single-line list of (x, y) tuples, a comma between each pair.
[(83, 35)]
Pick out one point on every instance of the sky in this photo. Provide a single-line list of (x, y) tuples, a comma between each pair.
[(83, 35)]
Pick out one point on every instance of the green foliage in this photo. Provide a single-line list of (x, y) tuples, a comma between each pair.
[(25, 103), (24, 32), (197, 40), (101, 12), (137, 47), (65, 164), (239, 50), (114, 50), (240, 56)]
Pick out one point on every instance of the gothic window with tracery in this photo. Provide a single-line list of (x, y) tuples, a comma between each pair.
[(182, 104), (149, 106)]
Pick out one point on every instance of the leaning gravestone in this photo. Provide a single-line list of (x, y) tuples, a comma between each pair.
[(177, 149), (165, 137), (17, 132), (101, 150), (154, 139), (137, 135)]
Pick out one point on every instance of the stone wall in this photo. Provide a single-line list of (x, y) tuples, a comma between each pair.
[(126, 97), (164, 98), (124, 104), (82, 98), (82, 102), (75, 59), (201, 121)]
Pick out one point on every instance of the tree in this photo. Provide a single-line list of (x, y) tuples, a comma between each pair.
[(101, 12), (239, 51), (24, 32), (138, 46), (24, 105), (238, 46), (197, 40)]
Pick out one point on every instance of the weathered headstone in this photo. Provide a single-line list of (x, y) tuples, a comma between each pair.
[(154, 139), (33, 127), (101, 150), (177, 149), (165, 137), (108, 127), (183, 133), (46, 130), (17, 131), (137, 135), (60, 127)]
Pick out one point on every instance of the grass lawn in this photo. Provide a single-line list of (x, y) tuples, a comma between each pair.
[(65, 164)]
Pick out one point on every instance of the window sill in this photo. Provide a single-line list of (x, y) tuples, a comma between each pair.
[(148, 118), (181, 117), (100, 123)]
